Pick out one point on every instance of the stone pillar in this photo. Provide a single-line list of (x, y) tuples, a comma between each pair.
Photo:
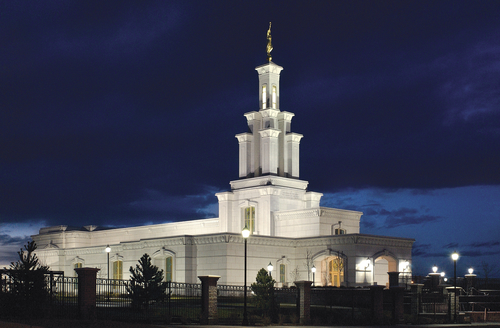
[(435, 277), (454, 307), (393, 279), (209, 300), (416, 293), (398, 309), (87, 291), (470, 278), (304, 300), (377, 301)]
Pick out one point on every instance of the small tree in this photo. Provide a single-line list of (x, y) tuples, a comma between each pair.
[(29, 290), (263, 289), (146, 283)]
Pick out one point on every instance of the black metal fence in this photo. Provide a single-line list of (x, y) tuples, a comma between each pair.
[(182, 304), (344, 306), (37, 294), (230, 300)]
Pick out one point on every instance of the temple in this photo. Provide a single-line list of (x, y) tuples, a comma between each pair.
[(289, 228)]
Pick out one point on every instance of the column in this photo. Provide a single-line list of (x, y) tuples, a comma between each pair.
[(209, 299), (377, 301), (304, 300), (87, 292)]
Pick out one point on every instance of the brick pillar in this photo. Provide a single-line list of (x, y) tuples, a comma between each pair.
[(304, 300), (87, 291), (398, 309), (393, 279), (377, 301), (416, 293), (454, 307), (209, 299)]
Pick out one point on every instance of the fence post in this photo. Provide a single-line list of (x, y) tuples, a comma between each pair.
[(87, 292), (377, 300), (398, 309), (304, 300), (452, 306), (209, 300), (416, 296)]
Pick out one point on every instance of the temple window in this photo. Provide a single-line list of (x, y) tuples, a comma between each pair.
[(168, 268), (274, 96), (282, 273), (264, 96), (250, 219), (118, 270)]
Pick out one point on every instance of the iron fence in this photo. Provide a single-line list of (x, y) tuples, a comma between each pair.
[(38, 294), (230, 301)]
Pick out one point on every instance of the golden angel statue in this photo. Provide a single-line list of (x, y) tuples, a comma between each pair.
[(269, 44)]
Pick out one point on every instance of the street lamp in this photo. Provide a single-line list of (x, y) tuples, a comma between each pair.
[(434, 269), (245, 233), (108, 250), (454, 257), (270, 269), (313, 269), (471, 270)]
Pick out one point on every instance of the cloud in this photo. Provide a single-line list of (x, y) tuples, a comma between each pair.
[(488, 244), (394, 221)]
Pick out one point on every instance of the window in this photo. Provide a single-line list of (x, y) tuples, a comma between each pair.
[(118, 270), (336, 271), (282, 273), (264, 96), (168, 268), (250, 219), (340, 231), (274, 96), (77, 265)]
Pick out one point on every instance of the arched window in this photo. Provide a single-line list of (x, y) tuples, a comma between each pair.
[(264, 96), (169, 268), (118, 270), (250, 219), (336, 271), (282, 273), (274, 96)]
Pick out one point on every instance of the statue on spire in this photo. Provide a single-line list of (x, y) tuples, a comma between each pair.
[(269, 44)]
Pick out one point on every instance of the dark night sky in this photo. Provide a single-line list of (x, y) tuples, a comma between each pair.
[(120, 113)]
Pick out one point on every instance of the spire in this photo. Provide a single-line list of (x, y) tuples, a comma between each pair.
[(269, 44)]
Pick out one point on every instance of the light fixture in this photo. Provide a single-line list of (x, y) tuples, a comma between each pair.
[(442, 274), (471, 270), (434, 269), (270, 268)]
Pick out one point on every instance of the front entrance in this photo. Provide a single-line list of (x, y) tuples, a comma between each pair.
[(382, 265), (332, 271)]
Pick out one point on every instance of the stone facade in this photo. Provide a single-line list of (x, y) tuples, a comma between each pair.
[(288, 226)]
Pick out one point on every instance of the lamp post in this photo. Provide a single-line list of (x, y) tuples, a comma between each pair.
[(454, 257), (313, 269), (270, 269), (245, 233), (108, 250)]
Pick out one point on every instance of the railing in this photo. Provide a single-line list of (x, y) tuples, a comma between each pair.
[(183, 302), (38, 293), (230, 301)]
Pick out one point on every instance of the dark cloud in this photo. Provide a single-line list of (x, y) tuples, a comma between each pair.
[(395, 221), (121, 113), (487, 244)]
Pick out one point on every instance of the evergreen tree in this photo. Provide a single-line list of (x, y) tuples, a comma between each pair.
[(146, 283), (29, 291), (263, 289)]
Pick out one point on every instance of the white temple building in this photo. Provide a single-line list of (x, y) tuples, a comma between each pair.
[(289, 228)]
